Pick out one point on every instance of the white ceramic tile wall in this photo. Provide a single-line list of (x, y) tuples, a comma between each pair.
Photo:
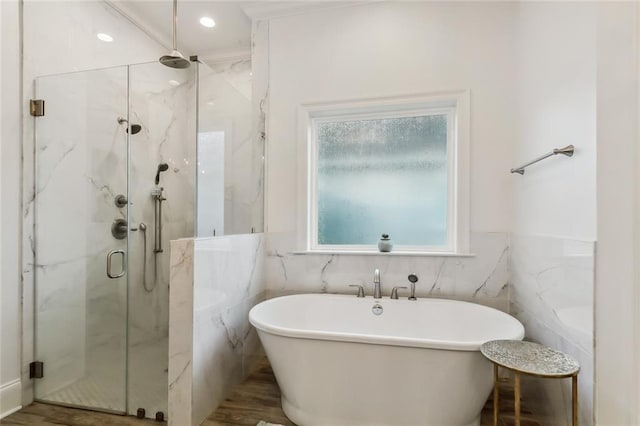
[(481, 278), (552, 284), (210, 302)]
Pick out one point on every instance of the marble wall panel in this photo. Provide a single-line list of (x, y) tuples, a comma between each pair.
[(260, 106), (226, 117), (82, 164), (72, 221), (163, 102), (552, 282), (212, 305), (482, 277), (180, 374)]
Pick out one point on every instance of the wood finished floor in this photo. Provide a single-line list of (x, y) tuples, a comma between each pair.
[(258, 398)]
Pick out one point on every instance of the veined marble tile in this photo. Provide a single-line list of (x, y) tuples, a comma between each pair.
[(228, 270), (552, 283), (226, 282), (482, 278), (553, 280), (227, 124), (181, 332), (260, 105)]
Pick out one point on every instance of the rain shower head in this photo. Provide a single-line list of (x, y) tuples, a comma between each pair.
[(175, 59), (135, 128), (162, 167)]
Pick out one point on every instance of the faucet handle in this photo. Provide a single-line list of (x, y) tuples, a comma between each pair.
[(394, 292), (360, 289)]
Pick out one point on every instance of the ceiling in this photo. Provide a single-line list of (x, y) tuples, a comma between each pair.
[(230, 38)]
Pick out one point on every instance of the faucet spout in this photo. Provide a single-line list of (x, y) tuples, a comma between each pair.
[(377, 292)]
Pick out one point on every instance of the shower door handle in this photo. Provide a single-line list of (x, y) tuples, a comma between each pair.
[(124, 264)]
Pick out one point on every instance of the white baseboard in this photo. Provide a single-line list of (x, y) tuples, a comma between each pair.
[(10, 397)]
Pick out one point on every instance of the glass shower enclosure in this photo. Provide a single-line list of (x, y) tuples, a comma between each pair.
[(114, 182)]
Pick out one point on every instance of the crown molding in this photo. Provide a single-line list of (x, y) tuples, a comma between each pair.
[(265, 10)]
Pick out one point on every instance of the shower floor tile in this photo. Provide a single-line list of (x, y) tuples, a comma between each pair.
[(104, 387), (91, 391)]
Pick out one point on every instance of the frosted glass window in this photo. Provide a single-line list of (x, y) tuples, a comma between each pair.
[(384, 175)]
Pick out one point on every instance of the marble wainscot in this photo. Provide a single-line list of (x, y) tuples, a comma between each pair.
[(481, 278), (212, 346), (552, 281)]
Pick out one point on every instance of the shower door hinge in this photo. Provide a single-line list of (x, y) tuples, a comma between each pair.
[(36, 370), (36, 107)]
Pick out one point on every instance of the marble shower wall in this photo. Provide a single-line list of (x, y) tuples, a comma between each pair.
[(59, 37), (552, 281), (225, 149), (482, 278), (163, 102), (81, 167), (212, 346), (76, 179)]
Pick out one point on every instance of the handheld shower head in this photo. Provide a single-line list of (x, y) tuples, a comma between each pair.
[(162, 167)]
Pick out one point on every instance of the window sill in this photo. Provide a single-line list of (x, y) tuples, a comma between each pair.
[(377, 253)]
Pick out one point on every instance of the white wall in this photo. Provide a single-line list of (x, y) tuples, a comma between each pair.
[(552, 248), (616, 308), (556, 106), (387, 49), (10, 321)]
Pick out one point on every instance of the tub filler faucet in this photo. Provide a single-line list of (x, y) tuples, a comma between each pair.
[(377, 292)]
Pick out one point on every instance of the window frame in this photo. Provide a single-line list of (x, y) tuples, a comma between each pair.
[(454, 104)]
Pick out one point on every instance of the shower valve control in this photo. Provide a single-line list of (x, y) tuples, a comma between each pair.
[(120, 201), (119, 229)]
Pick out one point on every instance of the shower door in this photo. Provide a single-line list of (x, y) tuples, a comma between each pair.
[(81, 239)]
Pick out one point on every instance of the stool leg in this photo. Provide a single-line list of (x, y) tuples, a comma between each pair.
[(496, 403), (574, 399), (517, 397)]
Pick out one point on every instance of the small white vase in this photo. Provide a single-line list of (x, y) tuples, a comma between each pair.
[(384, 245)]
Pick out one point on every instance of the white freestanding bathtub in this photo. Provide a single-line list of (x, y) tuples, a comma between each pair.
[(417, 363)]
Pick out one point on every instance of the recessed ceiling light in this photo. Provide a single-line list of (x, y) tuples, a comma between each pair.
[(174, 83), (105, 37), (207, 22)]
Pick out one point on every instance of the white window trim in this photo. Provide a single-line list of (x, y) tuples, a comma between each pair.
[(456, 102)]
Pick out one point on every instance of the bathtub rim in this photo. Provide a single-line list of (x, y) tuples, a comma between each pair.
[(335, 336)]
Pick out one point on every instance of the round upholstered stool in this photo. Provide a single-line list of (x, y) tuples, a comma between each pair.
[(531, 359)]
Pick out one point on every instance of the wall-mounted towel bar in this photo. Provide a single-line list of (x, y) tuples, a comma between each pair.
[(567, 150)]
